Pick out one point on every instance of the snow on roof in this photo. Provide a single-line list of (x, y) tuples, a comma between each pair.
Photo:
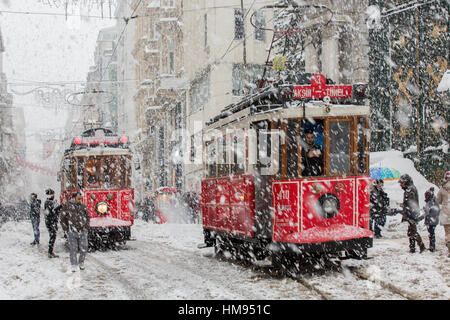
[(444, 85)]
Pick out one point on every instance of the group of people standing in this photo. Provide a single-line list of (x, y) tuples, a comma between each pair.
[(436, 211), (74, 219)]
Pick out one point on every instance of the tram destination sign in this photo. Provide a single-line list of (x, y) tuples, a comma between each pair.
[(319, 89)]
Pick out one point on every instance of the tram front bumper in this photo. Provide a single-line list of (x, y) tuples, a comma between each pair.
[(333, 238)]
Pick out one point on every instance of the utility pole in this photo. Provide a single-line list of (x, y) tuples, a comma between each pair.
[(245, 48)]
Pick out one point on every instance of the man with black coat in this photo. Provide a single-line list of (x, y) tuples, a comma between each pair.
[(312, 157), (51, 211), (75, 221), (411, 212), (35, 216), (379, 204)]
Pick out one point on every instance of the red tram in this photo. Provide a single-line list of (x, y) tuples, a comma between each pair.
[(259, 197), (98, 163), (166, 204)]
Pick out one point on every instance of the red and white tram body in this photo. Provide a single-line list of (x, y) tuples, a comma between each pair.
[(98, 164), (256, 198)]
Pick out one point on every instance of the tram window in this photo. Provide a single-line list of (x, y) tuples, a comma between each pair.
[(238, 154), (70, 175), (80, 173), (123, 172), (362, 145), (111, 172), (211, 159), (312, 148), (222, 166), (292, 148), (93, 169), (339, 148), (263, 143)]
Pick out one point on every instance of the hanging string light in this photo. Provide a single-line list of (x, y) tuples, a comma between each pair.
[(106, 7)]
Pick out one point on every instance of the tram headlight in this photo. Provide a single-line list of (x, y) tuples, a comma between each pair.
[(102, 208), (329, 205)]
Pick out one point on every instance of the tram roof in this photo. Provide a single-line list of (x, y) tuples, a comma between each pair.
[(97, 140), (273, 102), (247, 110)]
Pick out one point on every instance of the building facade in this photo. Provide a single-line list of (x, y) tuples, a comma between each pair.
[(12, 141)]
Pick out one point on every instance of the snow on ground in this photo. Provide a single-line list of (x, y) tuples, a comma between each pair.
[(165, 263)]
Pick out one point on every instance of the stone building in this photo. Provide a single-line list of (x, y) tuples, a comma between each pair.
[(160, 92)]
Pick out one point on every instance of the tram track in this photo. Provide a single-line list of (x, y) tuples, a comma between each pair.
[(313, 281), (199, 272), (361, 274)]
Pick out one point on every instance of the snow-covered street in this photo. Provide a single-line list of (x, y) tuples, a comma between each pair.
[(164, 263)]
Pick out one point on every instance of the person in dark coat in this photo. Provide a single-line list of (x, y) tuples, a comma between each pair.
[(432, 211), (312, 157), (75, 221), (149, 208), (51, 209), (35, 216), (411, 212), (379, 204)]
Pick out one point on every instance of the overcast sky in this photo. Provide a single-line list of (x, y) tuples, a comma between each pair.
[(45, 47), (48, 47)]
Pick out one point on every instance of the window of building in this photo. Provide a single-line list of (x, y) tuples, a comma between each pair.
[(168, 3), (171, 57), (345, 61), (238, 24), (199, 93), (260, 22), (253, 74), (205, 18)]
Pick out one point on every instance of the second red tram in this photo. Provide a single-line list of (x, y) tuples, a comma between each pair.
[(166, 205), (98, 164), (259, 197)]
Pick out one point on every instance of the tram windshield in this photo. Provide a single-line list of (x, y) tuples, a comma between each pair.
[(166, 201), (110, 172)]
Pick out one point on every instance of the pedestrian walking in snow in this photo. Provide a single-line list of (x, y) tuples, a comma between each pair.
[(51, 209), (411, 212), (75, 222), (431, 210), (35, 216), (379, 204), (443, 198)]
